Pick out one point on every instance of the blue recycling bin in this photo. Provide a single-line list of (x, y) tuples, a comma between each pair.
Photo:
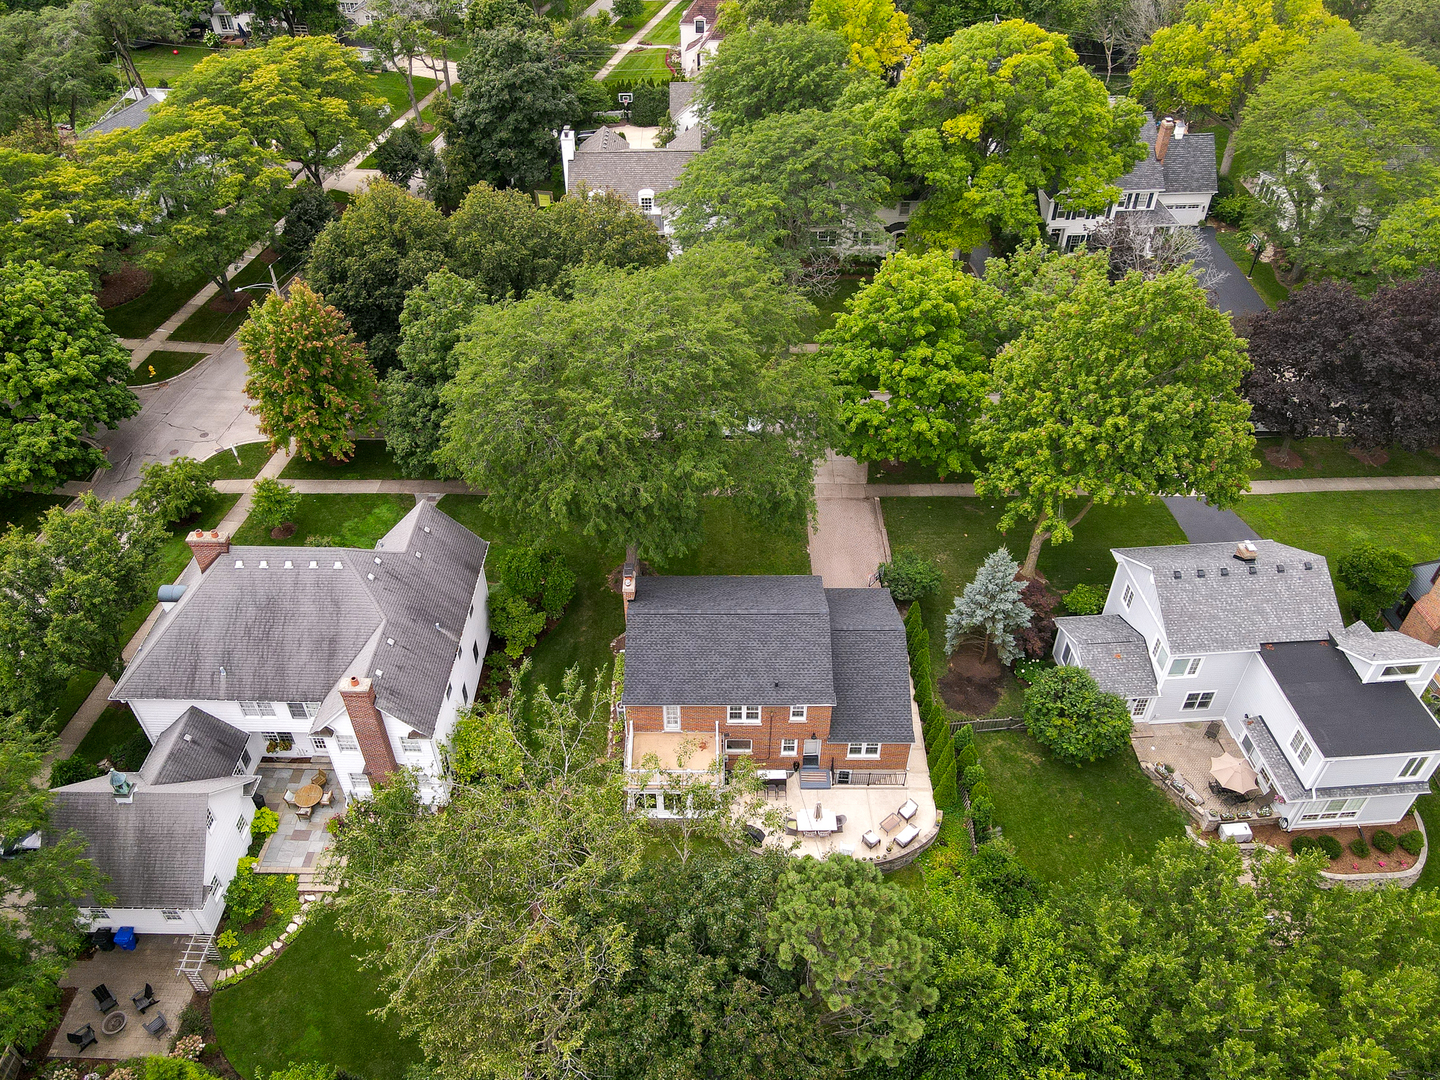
[(125, 938)]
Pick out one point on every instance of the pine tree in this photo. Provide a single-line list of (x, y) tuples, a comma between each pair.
[(947, 792), (942, 758), (993, 604)]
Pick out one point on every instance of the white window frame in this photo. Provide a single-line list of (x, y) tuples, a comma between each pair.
[(1138, 705), (285, 740), (1300, 747), (209, 819), (99, 914), (320, 743), (1400, 671), (257, 708), (867, 751), (671, 717), (646, 199), (744, 715), (700, 27), (798, 713), (1129, 597), (733, 746), (1189, 667), (360, 785), (347, 744), (242, 767), (645, 800), (240, 824), (1198, 701), (1413, 767), (213, 889), (1339, 809), (789, 747), (306, 709), (413, 747), (1066, 655)]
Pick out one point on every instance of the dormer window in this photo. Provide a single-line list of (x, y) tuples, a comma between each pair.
[(647, 201), (1400, 671), (699, 27)]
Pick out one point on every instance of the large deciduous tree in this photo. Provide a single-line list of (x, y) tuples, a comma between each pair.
[(1127, 388), (983, 120), (1408, 240), (770, 69), (308, 96), (401, 35), (203, 190), (618, 412), (51, 66), (64, 597), (509, 930), (116, 24), (1330, 362), (316, 16), (42, 890), (877, 33), (518, 91), (1210, 63), (56, 211), (793, 185), (64, 374), (1412, 23), (364, 262), (1341, 134), (309, 378)]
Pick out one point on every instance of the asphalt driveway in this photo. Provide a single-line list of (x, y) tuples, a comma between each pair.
[(1235, 294)]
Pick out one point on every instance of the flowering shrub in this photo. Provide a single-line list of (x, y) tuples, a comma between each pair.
[(188, 1047), (63, 1072), (120, 1072)]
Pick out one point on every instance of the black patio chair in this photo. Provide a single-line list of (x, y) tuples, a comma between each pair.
[(144, 999), (104, 1000), (158, 1026), (82, 1038)]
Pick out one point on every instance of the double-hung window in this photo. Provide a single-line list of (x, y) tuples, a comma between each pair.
[(1333, 809), (863, 750), (789, 747), (743, 714), (360, 785), (171, 914), (797, 714), (1413, 767), (672, 717), (1138, 705), (347, 743), (411, 746), (302, 710), (1198, 701), (257, 708), (1301, 747)]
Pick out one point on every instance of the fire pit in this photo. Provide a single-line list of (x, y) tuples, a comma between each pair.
[(114, 1023)]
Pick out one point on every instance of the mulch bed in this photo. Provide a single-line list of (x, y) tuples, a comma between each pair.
[(1283, 459), (228, 305), (268, 256), (1374, 863), (1368, 457), (125, 284), (213, 1058), (67, 997), (283, 532), (971, 685)]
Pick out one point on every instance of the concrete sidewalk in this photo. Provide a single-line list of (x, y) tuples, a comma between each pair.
[(353, 487), (854, 486), (634, 43), (849, 540)]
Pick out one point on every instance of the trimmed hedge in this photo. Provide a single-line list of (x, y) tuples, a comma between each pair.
[(941, 759), (1359, 848), (947, 792), (1413, 842), (1383, 840), (968, 756)]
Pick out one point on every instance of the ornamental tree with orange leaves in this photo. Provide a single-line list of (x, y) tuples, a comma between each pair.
[(309, 378)]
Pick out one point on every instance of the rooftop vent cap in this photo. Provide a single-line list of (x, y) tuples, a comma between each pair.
[(289, 565), (427, 528), (1224, 571), (1309, 565), (187, 737), (121, 786), (389, 641), (169, 594), (1177, 575), (314, 565), (377, 560), (1253, 571), (1279, 568), (1199, 573), (1246, 551), (239, 564), (370, 576), (417, 554), (338, 564), (264, 564)]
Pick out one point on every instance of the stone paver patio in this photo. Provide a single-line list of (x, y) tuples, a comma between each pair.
[(296, 847), (1185, 748)]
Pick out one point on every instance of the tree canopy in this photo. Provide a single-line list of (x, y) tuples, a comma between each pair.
[(877, 33), (1412, 23), (618, 412), (1338, 133), (767, 69), (64, 374), (1211, 62), (317, 16), (364, 262), (983, 120), (51, 66), (1126, 388), (58, 212)]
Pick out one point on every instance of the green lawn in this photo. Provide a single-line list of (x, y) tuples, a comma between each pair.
[(372, 461), (161, 62), (142, 316), (112, 728), (390, 85), (349, 520), (734, 544), (668, 32), (226, 466), (639, 65), (311, 1004), (338, 197), (878, 473), (1330, 523), (1328, 457), (1065, 821), (959, 533), (625, 29), (25, 509), (1429, 808), (76, 691), (216, 327), (830, 306), (163, 364)]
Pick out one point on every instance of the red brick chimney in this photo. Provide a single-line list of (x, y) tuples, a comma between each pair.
[(629, 576), (359, 697), (1162, 138), (207, 547), (1423, 622)]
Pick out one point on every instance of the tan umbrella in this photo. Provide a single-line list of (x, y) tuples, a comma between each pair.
[(1234, 774)]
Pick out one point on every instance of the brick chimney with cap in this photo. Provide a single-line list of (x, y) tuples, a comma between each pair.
[(359, 697), (207, 546), (1162, 138), (629, 576), (1423, 621)]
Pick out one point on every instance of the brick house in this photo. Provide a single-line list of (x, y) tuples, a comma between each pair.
[(779, 669)]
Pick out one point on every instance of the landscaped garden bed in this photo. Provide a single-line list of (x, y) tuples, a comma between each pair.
[(1364, 858)]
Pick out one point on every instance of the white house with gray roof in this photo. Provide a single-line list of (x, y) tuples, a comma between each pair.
[(361, 657), (1172, 187), (1330, 716), (169, 836)]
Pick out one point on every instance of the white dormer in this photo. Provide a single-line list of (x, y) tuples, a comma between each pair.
[(647, 200)]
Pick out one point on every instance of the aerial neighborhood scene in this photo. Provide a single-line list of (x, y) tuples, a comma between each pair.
[(719, 539)]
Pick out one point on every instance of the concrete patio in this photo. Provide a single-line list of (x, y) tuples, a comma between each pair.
[(1188, 752), (296, 847), (124, 973)]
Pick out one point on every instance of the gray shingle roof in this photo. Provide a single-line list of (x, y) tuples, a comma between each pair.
[(1113, 651), (606, 162), (1347, 717), (1189, 164), (152, 849), (1365, 643), (871, 668), (197, 746), (1422, 579), (1230, 609), (131, 116), (681, 94), (273, 633), (1281, 771)]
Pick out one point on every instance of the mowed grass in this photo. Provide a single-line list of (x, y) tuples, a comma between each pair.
[(372, 461), (1065, 821), (668, 30), (828, 307), (163, 364), (243, 463), (24, 510), (347, 520), (1330, 523), (112, 728), (1271, 291), (312, 1004), (390, 85), (639, 65), (168, 62), (1329, 457), (1429, 808), (624, 29), (215, 327), (142, 316)]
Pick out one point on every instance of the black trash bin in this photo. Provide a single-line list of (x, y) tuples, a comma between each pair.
[(103, 939)]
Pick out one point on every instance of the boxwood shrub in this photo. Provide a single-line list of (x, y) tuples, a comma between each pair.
[(1329, 845), (1413, 841), (1383, 840), (1359, 848)]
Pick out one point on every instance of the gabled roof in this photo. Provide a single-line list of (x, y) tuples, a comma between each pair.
[(1113, 651), (681, 94), (264, 624), (1210, 601), (197, 746), (1360, 641), (1189, 164), (153, 848), (131, 116), (1347, 717), (871, 668), (606, 162)]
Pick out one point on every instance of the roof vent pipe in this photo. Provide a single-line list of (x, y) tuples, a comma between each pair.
[(169, 595)]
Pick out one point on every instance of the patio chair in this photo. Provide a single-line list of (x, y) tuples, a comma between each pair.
[(144, 999), (304, 811), (289, 798), (104, 1000), (869, 839), (82, 1038), (839, 822), (158, 1026), (321, 778), (908, 809), (1212, 730), (327, 798), (792, 827)]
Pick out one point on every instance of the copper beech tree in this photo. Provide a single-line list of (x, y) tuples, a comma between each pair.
[(308, 375)]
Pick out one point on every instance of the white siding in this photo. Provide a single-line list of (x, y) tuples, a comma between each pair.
[(1343, 772), (1259, 695), (1187, 207), (1220, 673), (1378, 810)]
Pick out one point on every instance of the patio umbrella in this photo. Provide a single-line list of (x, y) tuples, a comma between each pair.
[(1234, 774)]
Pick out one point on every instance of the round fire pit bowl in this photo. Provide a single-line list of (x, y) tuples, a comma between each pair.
[(114, 1023)]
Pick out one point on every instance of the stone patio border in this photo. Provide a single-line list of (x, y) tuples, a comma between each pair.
[(261, 960)]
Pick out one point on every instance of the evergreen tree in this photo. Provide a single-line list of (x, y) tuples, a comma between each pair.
[(992, 604)]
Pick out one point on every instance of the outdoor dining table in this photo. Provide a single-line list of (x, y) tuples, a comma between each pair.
[(308, 795), (808, 824)]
